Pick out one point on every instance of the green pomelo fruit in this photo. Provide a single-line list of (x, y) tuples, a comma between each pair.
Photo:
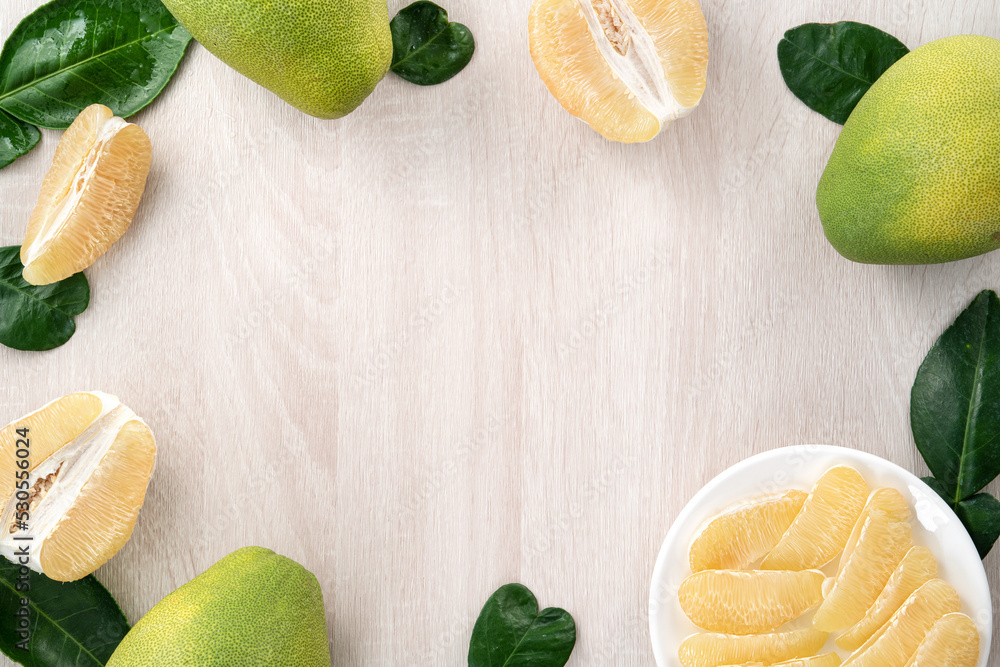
[(321, 56), (253, 607), (915, 175)]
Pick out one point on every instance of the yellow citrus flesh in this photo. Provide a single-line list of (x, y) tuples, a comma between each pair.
[(713, 650), (100, 521), (825, 660), (47, 430), (89, 196), (680, 34), (883, 540), (888, 504), (626, 67), (898, 639), (743, 535), (743, 603), (81, 481), (952, 642), (823, 527), (917, 568)]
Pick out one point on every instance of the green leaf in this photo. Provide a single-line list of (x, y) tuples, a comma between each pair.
[(69, 54), (16, 138), (510, 632), (426, 48), (981, 516), (37, 318), (76, 624), (830, 66), (955, 402), (939, 488)]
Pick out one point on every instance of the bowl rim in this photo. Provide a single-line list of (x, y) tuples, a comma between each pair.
[(661, 567)]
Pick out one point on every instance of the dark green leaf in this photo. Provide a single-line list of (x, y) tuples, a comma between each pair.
[(830, 66), (16, 138), (75, 624), (510, 632), (69, 54), (955, 402), (426, 48), (940, 489), (981, 516), (37, 318)]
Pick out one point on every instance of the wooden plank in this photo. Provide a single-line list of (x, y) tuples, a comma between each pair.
[(457, 339)]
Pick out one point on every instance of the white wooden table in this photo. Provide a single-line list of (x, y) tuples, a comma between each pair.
[(457, 339)]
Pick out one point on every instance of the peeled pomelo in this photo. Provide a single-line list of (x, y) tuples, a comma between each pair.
[(713, 649), (952, 642), (887, 504), (89, 196), (741, 603), (825, 660), (627, 67), (745, 533), (883, 537), (73, 477), (823, 527), (917, 568), (896, 641)]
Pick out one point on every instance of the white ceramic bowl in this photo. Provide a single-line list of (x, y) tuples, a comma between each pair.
[(934, 526)]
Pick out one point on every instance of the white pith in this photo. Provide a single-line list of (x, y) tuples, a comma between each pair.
[(76, 463), (64, 210), (639, 67)]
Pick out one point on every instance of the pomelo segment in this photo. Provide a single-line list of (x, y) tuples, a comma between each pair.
[(85, 537), (48, 429), (87, 464), (917, 568), (626, 67), (823, 527), (952, 642), (887, 504), (745, 533), (89, 196), (895, 643), (825, 660), (712, 649), (882, 542), (742, 603)]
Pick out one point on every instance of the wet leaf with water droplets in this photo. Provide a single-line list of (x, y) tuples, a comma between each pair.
[(69, 54)]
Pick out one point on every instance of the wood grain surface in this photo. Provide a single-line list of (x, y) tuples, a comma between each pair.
[(458, 339)]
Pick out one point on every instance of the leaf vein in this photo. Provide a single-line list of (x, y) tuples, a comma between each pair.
[(35, 82)]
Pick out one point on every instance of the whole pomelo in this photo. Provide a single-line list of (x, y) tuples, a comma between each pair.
[(321, 56), (915, 175), (253, 607)]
